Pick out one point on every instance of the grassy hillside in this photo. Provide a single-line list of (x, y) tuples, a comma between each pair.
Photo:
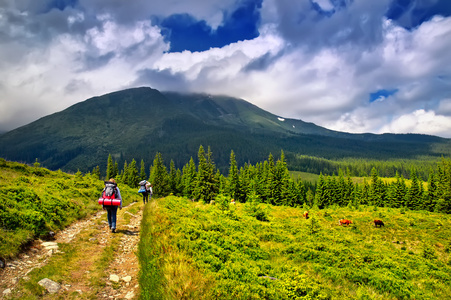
[(191, 250), (35, 201)]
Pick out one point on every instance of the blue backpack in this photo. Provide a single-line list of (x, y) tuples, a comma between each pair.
[(142, 187)]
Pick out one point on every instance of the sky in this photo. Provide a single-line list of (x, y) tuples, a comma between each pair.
[(349, 65)]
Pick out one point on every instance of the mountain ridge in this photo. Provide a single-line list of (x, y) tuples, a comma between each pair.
[(139, 122)]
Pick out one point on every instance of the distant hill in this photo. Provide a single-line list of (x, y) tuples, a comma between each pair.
[(137, 123)]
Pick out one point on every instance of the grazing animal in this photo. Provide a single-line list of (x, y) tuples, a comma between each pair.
[(378, 223), (344, 222), (305, 214)]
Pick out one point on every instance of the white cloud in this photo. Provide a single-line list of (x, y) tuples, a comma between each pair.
[(324, 4), (420, 121)]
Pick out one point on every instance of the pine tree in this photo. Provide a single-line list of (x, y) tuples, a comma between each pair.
[(444, 187), (132, 174), (377, 191), (189, 176), (142, 172), (159, 177), (364, 199), (110, 168), (320, 194), (234, 188), (431, 196), (245, 182), (172, 178), (302, 193), (123, 178), (396, 192), (179, 183), (287, 190), (414, 195), (115, 171), (271, 182), (96, 172), (206, 188)]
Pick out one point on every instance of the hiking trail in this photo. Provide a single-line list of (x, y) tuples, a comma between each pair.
[(86, 259)]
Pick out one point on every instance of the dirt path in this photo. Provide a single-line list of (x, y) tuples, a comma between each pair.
[(85, 259)]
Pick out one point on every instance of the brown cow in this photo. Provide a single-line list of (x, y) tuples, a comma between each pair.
[(305, 214), (344, 222), (378, 223)]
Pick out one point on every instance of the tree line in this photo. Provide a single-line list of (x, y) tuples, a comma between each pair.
[(270, 182)]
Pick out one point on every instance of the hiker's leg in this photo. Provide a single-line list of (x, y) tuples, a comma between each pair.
[(108, 211), (113, 217)]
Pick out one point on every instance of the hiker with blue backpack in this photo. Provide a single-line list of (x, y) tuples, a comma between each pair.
[(110, 200), (145, 188)]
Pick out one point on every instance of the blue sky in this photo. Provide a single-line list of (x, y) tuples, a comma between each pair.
[(349, 65)]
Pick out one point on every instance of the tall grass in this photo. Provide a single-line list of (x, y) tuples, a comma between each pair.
[(289, 257)]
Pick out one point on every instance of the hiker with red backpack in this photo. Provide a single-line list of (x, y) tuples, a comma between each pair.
[(110, 200)]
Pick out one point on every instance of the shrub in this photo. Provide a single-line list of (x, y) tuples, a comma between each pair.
[(296, 285)]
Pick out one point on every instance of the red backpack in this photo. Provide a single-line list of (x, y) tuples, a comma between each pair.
[(109, 195)]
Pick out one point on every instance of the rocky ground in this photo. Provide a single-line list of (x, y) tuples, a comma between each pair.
[(120, 275)]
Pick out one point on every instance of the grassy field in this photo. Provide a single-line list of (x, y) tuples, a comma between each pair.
[(190, 250), (304, 176), (313, 178)]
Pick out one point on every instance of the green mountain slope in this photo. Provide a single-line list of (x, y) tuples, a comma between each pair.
[(139, 122)]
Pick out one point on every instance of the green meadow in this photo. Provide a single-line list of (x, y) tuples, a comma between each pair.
[(191, 250)]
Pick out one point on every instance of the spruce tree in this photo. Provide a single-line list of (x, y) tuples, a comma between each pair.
[(96, 172), (287, 193), (364, 199), (396, 192), (414, 195), (234, 188), (431, 196), (115, 171), (246, 183), (271, 181), (172, 178), (142, 172), (110, 168), (320, 198), (205, 189), (132, 174), (159, 177), (189, 176), (377, 191), (123, 178)]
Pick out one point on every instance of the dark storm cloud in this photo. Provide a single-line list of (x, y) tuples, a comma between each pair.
[(357, 23), (90, 62)]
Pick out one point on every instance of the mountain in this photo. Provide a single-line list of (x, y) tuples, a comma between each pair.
[(136, 123)]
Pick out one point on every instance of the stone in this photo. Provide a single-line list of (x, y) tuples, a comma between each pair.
[(7, 292), (114, 277), (51, 286), (130, 295), (127, 278)]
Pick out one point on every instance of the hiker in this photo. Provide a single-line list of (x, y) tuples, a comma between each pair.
[(112, 209), (145, 189)]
